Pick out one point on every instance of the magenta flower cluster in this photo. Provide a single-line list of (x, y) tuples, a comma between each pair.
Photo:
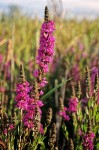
[(26, 103), (22, 96), (72, 108), (73, 102), (45, 51), (88, 141), (63, 114), (30, 113)]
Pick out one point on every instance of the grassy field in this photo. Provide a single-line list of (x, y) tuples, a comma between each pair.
[(72, 92)]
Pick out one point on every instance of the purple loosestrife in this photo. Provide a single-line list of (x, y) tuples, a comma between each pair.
[(88, 141), (22, 96), (30, 113), (45, 56), (63, 114), (73, 102), (22, 90), (23, 100), (45, 51)]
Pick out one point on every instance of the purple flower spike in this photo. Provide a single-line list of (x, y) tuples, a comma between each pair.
[(46, 49), (88, 141), (73, 105), (22, 96)]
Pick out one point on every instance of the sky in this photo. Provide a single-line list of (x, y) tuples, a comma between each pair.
[(74, 7)]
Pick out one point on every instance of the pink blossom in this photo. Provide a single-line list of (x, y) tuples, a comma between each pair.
[(73, 104), (36, 73), (46, 49), (63, 114), (22, 96), (88, 141), (11, 126), (43, 82), (41, 92)]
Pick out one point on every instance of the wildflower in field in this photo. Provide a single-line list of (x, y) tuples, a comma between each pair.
[(46, 50), (88, 141), (45, 56), (22, 90), (63, 113), (63, 110), (22, 96), (73, 104), (29, 116), (28, 119)]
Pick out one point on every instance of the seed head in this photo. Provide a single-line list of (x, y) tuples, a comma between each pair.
[(78, 89), (52, 136), (96, 83), (71, 144), (46, 17), (73, 91), (22, 74), (49, 116)]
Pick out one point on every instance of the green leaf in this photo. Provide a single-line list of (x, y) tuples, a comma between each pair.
[(53, 90), (42, 146)]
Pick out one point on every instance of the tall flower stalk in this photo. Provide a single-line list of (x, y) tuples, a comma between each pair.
[(45, 51), (31, 102), (44, 58)]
